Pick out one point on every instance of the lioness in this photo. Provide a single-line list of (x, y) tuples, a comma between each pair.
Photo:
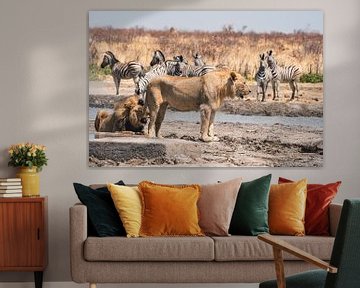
[(205, 93), (129, 115)]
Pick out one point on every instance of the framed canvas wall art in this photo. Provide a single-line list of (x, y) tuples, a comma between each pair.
[(218, 88)]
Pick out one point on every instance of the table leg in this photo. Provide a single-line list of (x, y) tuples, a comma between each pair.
[(38, 279)]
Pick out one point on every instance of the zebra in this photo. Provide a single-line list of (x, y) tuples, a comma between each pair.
[(289, 74), (169, 67), (195, 71), (187, 70), (197, 60), (120, 70), (158, 58), (180, 59), (192, 71), (263, 77)]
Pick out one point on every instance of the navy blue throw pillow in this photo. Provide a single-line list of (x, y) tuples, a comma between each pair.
[(102, 215)]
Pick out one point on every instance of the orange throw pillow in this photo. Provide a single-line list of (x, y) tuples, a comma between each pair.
[(318, 200), (287, 204), (169, 210)]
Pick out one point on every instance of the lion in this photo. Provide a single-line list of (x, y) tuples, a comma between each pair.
[(129, 115), (205, 93)]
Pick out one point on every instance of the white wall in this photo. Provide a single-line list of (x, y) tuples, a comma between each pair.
[(43, 90)]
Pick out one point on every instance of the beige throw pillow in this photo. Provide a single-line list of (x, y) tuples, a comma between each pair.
[(216, 206)]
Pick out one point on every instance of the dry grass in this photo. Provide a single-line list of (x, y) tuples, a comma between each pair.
[(240, 51)]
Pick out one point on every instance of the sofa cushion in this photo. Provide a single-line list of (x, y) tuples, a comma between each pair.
[(149, 249), (102, 216), (318, 199), (127, 201), (287, 204), (250, 215), (245, 248), (169, 210), (216, 206)]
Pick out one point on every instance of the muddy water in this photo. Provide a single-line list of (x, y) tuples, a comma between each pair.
[(171, 116), (314, 122)]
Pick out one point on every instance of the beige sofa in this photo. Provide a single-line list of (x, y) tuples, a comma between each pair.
[(234, 259)]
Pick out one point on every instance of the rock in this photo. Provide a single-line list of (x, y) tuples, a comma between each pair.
[(124, 149)]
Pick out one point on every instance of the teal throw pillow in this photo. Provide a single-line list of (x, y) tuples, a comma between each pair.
[(250, 216)]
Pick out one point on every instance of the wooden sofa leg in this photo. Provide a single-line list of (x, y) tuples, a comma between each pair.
[(92, 285)]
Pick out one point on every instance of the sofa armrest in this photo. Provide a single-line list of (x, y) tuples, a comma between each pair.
[(78, 235), (334, 217)]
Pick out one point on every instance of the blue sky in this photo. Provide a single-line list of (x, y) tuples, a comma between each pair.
[(258, 21)]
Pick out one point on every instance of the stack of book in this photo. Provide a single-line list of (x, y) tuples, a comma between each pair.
[(10, 187)]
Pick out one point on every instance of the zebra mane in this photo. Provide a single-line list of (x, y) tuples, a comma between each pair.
[(109, 53), (161, 54), (157, 58)]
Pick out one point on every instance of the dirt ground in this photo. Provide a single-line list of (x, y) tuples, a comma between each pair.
[(245, 145)]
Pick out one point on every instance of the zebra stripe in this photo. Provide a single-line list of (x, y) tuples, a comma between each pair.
[(263, 76), (169, 67), (186, 69), (290, 74), (130, 70), (195, 71), (173, 68)]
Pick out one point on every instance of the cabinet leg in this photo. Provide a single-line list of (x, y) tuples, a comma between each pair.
[(38, 279)]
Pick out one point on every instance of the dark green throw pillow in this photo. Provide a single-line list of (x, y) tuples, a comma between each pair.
[(103, 218), (250, 216)]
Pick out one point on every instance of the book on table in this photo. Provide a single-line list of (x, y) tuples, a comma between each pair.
[(10, 184), (11, 191), (7, 180), (9, 195), (9, 188)]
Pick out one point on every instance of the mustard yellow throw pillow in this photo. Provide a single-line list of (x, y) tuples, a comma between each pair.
[(169, 210), (127, 201), (287, 204)]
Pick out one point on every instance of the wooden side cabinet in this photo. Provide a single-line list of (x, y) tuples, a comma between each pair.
[(23, 235)]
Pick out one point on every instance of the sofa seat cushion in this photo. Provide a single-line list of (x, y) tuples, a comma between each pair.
[(244, 248), (149, 249)]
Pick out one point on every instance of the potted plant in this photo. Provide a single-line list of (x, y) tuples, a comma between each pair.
[(30, 158)]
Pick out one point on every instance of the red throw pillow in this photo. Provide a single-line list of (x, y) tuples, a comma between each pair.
[(319, 197)]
